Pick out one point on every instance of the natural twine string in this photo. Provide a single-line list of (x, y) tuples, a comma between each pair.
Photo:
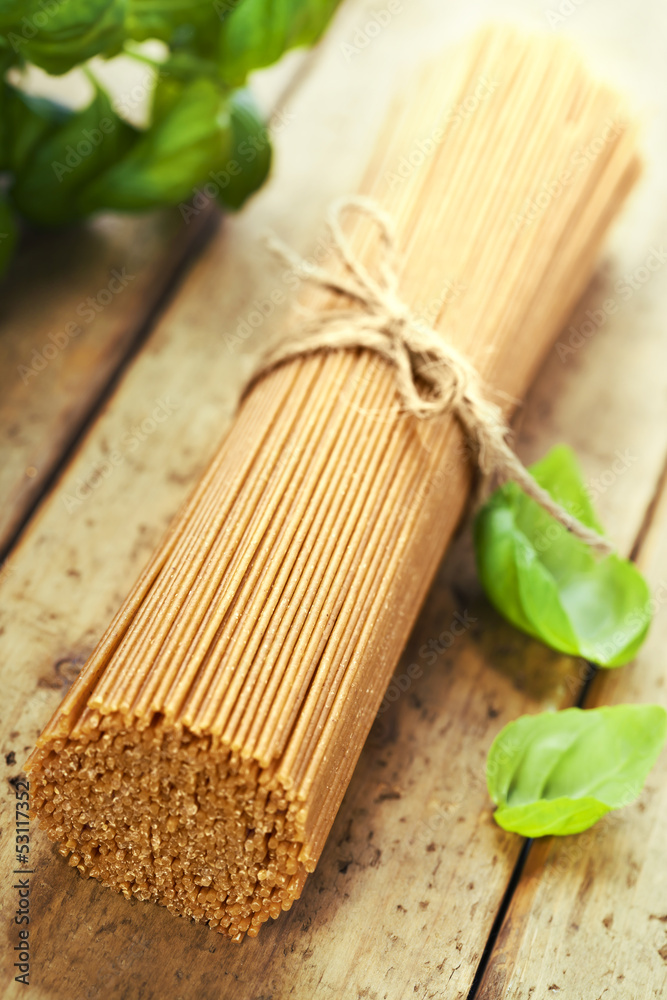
[(432, 377)]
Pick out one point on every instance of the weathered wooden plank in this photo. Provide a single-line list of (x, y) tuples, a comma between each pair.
[(72, 307), (414, 870)]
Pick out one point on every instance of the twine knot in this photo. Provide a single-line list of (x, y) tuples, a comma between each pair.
[(432, 376)]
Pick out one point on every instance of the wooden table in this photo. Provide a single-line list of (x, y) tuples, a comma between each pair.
[(418, 893)]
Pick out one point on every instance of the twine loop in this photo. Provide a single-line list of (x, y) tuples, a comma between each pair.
[(432, 376)]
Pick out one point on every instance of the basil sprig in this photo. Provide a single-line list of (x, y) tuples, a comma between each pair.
[(560, 772), (57, 153), (57, 36), (205, 133), (257, 32), (547, 582)]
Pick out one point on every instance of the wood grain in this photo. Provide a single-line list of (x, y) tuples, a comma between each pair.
[(414, 870), (72, 307)]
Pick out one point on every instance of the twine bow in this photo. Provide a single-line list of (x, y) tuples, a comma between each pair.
[(432, 376)]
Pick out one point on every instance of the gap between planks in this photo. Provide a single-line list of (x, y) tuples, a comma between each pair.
[(71, 443)]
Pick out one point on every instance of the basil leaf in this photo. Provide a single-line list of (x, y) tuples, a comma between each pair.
[(11, 12), (179, 23), (559, 772), (57, 152), (28, 121), (184, 66), (58, 35), (7, 234), (5, 94), (256, 33), (7, 56), (547, 582), (251, 150), (187, 139)]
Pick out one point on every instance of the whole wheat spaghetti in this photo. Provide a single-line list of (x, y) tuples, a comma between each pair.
[(202, 754)]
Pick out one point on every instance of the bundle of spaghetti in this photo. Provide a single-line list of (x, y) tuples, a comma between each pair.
[(201, 756)]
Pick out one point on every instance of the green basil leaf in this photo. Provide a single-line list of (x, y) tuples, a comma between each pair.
[(27, 121), (547, 582), (184, 66), (7, 234), (5, 97), (11, 12), (54, 164), (179, 23), (256, 33), (188, 138), (58, 35), (557, 773), (250, 150), (7, 55)]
